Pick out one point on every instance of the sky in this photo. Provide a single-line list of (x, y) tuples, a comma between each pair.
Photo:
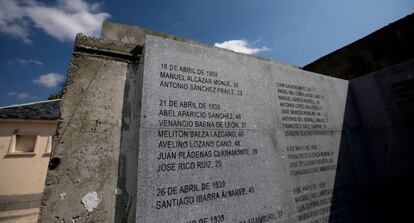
[(36, 37)]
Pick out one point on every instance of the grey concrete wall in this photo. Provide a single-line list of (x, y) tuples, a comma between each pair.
[(92, 148), (386, 47), (95, 148), (375, 165)]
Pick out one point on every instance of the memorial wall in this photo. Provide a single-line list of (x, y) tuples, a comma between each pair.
[(226, 137), (155, 128)]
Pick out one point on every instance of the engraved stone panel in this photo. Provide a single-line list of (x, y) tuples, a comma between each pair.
[(227, 137)]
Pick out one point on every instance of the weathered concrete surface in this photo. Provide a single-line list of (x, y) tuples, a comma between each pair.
[(386, 47), (132, 34), (89, 154), (108, 49)]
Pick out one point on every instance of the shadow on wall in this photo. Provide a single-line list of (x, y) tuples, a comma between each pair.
[(375, 165), (128, 157)]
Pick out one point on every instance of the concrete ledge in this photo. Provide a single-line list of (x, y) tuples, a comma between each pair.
[(132, 34), (107, 48)]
